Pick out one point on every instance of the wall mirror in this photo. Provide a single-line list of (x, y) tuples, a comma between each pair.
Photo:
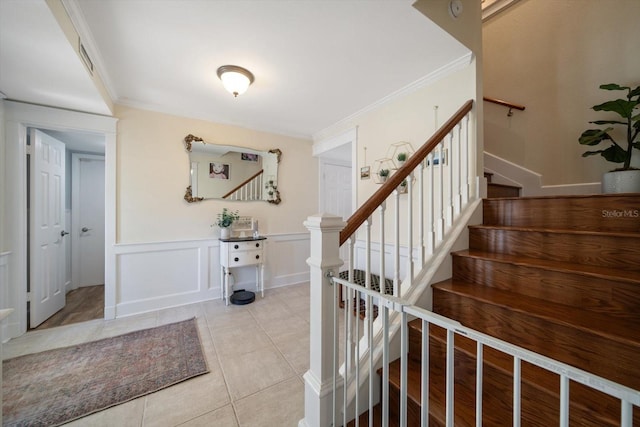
[(231, 173)]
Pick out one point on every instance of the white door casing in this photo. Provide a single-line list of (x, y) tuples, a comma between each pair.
[(87, 230), (47, 220)]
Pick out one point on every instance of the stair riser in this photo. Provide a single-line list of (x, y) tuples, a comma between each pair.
[(603, 213), (611, 359), (615, 298), (601, 250)]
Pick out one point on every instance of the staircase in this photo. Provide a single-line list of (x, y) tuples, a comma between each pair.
[(559, 276), (496, 190)]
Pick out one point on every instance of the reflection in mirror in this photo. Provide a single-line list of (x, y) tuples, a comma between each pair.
[(231, 173)]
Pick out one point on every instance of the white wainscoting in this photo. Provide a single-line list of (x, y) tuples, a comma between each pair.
[(153, 276), (4, 291)]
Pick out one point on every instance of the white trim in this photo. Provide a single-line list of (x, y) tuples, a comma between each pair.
[(442, 72), (531, 182), (491, 7), (18, 117)]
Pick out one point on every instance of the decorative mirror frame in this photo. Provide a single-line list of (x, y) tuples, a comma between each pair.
[(188, 195)]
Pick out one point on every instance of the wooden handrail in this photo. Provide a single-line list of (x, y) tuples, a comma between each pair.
[(260, 172), (376, 199), (510, 105)]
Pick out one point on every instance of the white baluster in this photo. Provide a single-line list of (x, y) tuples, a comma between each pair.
[(396, 259), (368, 306), (449, 219), (440, 233), (381, 209), (460, 172), (431, 221), (409, 279), (421, 236)]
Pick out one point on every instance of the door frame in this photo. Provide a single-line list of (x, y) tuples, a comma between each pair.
[(18, 117), (75, 211), (321, 149)]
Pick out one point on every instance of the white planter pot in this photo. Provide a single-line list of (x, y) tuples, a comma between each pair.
[(621, 182), (225, 232)]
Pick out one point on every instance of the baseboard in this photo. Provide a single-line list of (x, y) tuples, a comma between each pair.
[(531, 182)]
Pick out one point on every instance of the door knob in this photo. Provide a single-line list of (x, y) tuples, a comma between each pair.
[(63, 233), (85, 229)]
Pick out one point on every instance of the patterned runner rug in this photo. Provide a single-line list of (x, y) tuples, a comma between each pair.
[(60, 385)]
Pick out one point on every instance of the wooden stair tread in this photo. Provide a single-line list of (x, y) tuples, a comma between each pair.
[(560, 266), (624, 331), (496, 184), (621, 234)]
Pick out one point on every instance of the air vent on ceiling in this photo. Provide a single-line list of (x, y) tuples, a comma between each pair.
[(85, 57)]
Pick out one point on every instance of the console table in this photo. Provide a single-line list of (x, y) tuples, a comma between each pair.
[(241, 252)]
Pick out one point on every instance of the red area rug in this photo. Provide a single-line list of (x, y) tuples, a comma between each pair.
[(57, 386)]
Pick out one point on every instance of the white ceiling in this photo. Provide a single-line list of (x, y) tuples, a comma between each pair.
[(316, 62)]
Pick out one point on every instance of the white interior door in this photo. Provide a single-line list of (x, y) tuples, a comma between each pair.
[(336, 195), (87, 204), (47, 219)]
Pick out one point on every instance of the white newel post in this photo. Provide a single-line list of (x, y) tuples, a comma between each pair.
[(325, 242)]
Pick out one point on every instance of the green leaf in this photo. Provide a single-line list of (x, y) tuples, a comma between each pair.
[(635, 92), (614, 86), (614, 154), (608, 122), (591, 153), (594, 136), (621, 106)]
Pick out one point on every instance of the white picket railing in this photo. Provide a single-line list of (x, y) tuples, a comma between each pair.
[(249, 190), (396, 310), (441, 184)]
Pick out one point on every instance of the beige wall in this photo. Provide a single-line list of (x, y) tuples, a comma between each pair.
[(3, 211), (153, 173), (551, 56)]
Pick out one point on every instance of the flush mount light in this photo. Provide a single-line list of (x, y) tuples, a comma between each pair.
[(235, 79)]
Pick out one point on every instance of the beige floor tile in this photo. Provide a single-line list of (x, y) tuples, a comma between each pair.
[(185, 401), (128, 414), (223, 417), (251, 372), (239, 340), (112, 328), (292, 325), (281, 405), (224, 319), (295, 349)]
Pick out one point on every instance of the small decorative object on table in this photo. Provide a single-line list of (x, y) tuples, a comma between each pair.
[(224, 221)]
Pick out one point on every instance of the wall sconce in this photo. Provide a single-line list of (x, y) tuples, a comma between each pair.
[(235, 79)]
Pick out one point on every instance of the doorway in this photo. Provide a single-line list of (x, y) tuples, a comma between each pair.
[(18, 117), (81, 266)]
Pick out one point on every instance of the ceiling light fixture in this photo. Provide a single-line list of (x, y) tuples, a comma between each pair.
[(235, 79)]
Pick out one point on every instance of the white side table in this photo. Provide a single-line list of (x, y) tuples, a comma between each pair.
[(241, 252)]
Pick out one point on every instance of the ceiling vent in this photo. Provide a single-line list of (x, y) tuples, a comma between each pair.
[(85, 57)]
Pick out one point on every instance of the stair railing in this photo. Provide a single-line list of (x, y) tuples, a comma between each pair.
[(441, 182), (389, 304), (249, 189)]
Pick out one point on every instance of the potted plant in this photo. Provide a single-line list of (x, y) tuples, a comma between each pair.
[(402, 188), (383, 174), (224, 221), (401, 157), (625, 179)]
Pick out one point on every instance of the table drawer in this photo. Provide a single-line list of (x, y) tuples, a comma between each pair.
[(240, 258), (244, 246)]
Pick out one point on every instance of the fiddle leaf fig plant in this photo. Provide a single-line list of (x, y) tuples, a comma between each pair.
[(619, 151)]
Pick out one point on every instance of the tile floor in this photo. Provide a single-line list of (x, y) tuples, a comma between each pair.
[(256, 354)]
